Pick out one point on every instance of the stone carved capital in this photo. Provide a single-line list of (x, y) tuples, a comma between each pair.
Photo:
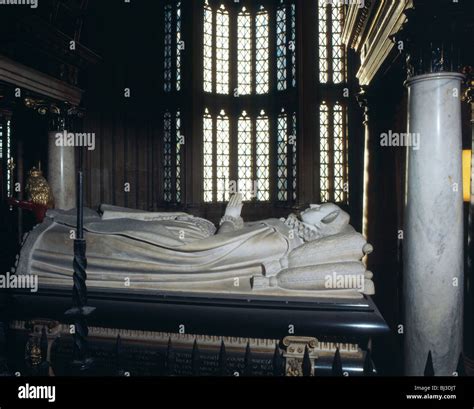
[(294, 354), (59, 113)]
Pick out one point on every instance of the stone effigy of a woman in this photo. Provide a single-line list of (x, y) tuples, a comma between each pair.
[(317, 254)]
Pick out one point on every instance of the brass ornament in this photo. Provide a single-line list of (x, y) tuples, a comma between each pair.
[(468, 95), (38, 190), (33, 353)]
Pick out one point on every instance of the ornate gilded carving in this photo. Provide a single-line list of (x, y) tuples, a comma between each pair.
[(468, 95), (38, 190), (42, 334), (33, 352)]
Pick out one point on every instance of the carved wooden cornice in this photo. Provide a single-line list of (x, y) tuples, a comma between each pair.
[(368, 31), (355, 22), (429, 34), (21, 76)]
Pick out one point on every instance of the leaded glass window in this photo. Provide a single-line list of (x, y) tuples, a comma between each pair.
[(172, 157), (222, 157), (1, 141), (324, 152), (9, 159), (281, 48), (292, 44), (294, 157), (253, 154), (331, 54), (286, 157), (208, 149), (168, 47), (323, 42), (337, 48), (339, 154), (179, 46), (6, 154), (216, 157), (333, 153), (244, 54), (286, 46), (263, 157), (243, 45), (172, 47), (208, 47), (178, 144), (332, 112), (245, 157), (261, 53), (222, 51), (167, 157), (251, 44)]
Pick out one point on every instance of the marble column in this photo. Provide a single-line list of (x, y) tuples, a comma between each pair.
[(61, 173), (433, 274)]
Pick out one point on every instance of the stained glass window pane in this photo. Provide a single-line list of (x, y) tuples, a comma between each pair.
[(208, 158), (244, 53), (281, 48), (222, 157), (263, 157), (324, 152), (222, 51), (207, 51), (245, 155), (261, 53)]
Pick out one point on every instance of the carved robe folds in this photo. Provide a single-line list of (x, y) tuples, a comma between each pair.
[(178, 252)]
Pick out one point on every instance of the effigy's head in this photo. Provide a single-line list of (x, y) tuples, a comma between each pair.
[(328, 218)]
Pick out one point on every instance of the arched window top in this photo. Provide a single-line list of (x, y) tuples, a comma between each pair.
[(249, 48), (331, 53)]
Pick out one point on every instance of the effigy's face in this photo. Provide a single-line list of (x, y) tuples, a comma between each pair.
[(321, 214)]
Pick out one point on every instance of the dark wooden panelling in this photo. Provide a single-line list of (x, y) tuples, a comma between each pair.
[(126, 151)]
